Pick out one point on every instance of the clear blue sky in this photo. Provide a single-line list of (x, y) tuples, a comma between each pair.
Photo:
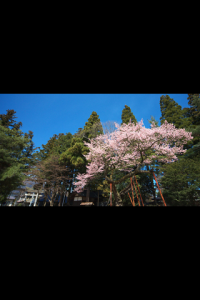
[(49, 114)]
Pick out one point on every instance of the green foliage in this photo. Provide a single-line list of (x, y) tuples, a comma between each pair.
[(127, 115), (194, 110), (194, 147), (92, 127), (180, 179), (194, 114), (181, 182), (8, 120), (173, 113), (56, 145), (74, 156), (15, 154)]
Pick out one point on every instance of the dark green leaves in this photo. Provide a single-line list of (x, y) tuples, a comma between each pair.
[(127, 115)]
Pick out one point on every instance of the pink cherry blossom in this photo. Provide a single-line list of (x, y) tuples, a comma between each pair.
[(128, 145)]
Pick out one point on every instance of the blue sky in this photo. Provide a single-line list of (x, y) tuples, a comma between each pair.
[(49, 114)]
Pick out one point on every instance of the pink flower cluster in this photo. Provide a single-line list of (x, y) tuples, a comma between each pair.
[(128, 146)]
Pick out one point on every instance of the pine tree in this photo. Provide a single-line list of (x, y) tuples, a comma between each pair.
[(8, 120), (12, 167), (194, 114), (181, 182), (177, 185), (57, 145), (92, 127), (16, 150), (194, 110), (173, 113), (127, 115)]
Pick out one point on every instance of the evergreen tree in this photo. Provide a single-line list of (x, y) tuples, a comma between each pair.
[(127, 115), (194, 147), (194, 110), (12, 168), (194, 114), (173, 113), (196, 102), (92, 127), (74, 158), (79, 133), (74, 155), (8, 121), (186, 118), (56, 145), (181, 182), (16, 150), (62, 143)]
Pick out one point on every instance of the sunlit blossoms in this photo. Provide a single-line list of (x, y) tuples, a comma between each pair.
[(129, 146)]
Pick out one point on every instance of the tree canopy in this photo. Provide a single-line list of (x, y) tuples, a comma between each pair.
[(194, 110), (181, 182), (53, 177), (173, 113), (16, 150), (127, 115), (127, 149), (93, 126), (180, 179)]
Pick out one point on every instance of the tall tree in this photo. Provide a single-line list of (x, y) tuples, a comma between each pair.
[(181, 182), (127, 150), (172, 112), (186, 118), (8, 121), (55, 145), (127, 115), (15, 154), (92, 129), (54, 177), (194, 110), (93, 126), (74, 158)]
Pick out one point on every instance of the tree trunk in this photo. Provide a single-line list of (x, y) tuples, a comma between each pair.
[(152, 186), (61, 198), (53, 195), (70, 186), (88, 194), (45, 198), (98, 199), (118, 199)]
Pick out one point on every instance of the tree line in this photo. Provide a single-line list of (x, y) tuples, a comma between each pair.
[(56, 166)]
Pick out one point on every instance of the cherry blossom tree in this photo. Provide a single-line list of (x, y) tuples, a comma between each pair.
[(129, 148)]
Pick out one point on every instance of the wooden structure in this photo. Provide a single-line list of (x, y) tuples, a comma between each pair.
[(132, 200), (87, 204), (76, 199)]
